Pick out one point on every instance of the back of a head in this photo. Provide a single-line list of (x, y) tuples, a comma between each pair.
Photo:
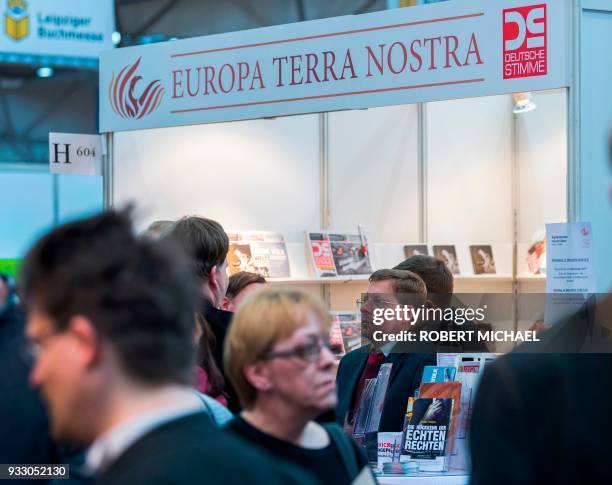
[(140, 295), (203, 239), (435, 274), (240, 280)]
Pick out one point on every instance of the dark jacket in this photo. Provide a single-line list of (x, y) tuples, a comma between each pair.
[(544, 417), (191, 450), (406, 375), (219, 322), (24, 428)]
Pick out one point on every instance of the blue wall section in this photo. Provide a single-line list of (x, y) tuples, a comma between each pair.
[(27, 206), (596, 119)]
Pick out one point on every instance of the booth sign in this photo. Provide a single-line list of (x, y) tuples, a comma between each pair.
[(448, 50)]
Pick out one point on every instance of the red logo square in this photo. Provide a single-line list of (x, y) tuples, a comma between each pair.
[(524, 41)]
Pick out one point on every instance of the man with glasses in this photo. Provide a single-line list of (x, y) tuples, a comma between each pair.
[(386, 290), (110, 325)]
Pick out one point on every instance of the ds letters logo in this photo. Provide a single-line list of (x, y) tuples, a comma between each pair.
[(123, 96), (524, 39)]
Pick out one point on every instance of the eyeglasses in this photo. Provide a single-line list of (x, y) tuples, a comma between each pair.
[(375, 299), (308, 352), (31, 350)]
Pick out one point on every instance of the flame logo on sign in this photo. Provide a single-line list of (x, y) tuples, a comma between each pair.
[(584, 231), (122, 97)]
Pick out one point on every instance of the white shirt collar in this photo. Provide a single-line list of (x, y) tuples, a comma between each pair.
[(387, 348), (112, 443)]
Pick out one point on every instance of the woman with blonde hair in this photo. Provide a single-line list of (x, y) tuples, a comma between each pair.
[(276, 356)]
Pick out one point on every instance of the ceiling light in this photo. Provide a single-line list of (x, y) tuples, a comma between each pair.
[(44, 71), (523, 103), (116, 37)]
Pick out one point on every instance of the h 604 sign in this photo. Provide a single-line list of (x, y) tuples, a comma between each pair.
[(76, 154)]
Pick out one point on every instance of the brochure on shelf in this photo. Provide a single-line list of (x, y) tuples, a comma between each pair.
[(536, 254), (363, 411), (416, 250), (448, 254), (336, 342), (389, 447), (350, 327), (482, 259), (338, 254), (378, 400), (259, 252)]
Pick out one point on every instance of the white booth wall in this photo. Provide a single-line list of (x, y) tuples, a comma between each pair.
[(595, 130), (266, 175)]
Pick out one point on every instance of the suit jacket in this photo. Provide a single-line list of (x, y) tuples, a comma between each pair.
[(191, 450), (24, 429), (544, 417), (405, 377)]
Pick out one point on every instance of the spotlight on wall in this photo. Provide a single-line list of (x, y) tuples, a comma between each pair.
[(44, 71), (523, 103)]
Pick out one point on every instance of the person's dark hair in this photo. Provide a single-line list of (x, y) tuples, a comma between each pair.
[(140, 295), (401, 281), (206, 358), (240, 280), (436, 275), (204, 240)]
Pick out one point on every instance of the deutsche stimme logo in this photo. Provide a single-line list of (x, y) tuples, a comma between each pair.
[(524, 42), (123, 97)]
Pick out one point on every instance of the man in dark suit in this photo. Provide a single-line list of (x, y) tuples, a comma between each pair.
[(207, 243), (384, 290), (110, 326)]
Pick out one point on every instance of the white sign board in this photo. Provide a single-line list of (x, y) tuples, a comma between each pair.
[(75, 153), (67, 28), (569, 258), (446, 50)]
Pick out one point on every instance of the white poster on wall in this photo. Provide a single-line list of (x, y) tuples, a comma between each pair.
[(72, 153), (569, 258), (570, 269), (447, 50), (56, 28)]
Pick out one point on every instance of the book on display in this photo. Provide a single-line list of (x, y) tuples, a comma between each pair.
[(448, 254), (438, 373), (426, 430), (482, 259), (264, 253), (416, 250), (443, 390)]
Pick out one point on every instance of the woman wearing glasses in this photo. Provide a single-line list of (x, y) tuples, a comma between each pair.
[(276, 356)]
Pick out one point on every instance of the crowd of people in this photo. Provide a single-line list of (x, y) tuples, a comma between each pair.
[(136, 359)]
